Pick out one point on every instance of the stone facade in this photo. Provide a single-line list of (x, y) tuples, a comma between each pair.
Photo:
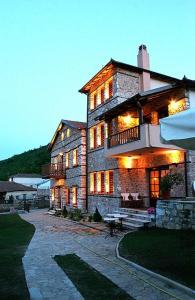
[(175, 214), (75, 175)]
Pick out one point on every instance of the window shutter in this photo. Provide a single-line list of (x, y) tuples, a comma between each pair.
[(102, 135), (95, 137), (95, 182), (102, 182), (111, 182), (110, 87), (102, 95), (67, 196)]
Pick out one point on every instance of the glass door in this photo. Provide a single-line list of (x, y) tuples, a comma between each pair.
[(155, 178)]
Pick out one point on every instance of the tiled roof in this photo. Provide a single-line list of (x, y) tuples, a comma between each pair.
[(75, 124), (26, 175), (9, 186)]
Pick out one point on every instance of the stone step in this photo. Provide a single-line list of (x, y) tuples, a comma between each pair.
[(132, 210), (140, 216), (134, 220), (132, 225)]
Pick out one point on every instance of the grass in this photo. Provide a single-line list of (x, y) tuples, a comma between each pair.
[(170, 253), (91, 284), (15, 234)]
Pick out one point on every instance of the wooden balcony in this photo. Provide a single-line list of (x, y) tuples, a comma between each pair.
[(56, 171), (124, 137), (136, 140)]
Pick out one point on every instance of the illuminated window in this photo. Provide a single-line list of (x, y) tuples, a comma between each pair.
[(110, 89), (96, 136), (91, 102), (101, 182), (98, 98), (67, 193), (74, 196), (52, 195), (91, 136), (98, 182), (91, 180), (95, 100), (154, 118), (68, 132), (67, 160), (75, 157), (62, 135)]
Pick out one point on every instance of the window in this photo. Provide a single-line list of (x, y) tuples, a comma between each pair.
[(74, 196), (96, 136), (68, 132), (102, 95), (102, 182), (110, 89), (75, 157), (67, 160), (62, 135), (67, 191)]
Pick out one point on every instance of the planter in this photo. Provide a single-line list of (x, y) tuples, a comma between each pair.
[(166, 195)]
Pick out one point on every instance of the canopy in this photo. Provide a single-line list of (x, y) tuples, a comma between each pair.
[(179, 129)]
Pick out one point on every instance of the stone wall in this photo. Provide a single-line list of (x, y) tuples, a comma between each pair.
[(125, 84), (175, 214), (75, 175)]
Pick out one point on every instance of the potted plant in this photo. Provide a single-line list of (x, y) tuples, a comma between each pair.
[(167, 182)]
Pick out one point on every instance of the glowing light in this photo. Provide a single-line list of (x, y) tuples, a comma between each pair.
[(62, 136), (74, 195), (175, 156), (127, 119), (176, 106), (127, 162)]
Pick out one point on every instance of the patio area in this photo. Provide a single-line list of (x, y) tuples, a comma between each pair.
[(57, 236)]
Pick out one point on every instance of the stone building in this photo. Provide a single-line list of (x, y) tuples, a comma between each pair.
[(67, 169), (124, 150)]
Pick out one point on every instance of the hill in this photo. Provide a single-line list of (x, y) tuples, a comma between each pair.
[(27, 162)]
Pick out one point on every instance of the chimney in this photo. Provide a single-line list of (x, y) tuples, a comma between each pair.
[(143, 63)]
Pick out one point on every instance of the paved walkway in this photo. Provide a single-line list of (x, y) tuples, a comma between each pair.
[(56, 236)]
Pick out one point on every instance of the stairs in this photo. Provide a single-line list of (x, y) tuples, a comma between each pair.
[(137, 219)]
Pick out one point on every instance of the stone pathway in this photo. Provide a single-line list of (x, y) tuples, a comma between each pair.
[(56, 236)]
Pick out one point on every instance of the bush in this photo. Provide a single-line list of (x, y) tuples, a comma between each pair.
[(64, 212), (77, 215), (90, 218), (70, 214), (96, 216)]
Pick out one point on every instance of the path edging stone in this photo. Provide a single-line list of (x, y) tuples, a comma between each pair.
[(166, 280)]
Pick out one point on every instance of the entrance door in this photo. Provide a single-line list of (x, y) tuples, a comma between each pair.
[(156, 175)]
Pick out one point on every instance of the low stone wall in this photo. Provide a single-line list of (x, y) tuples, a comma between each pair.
[(175, 214)]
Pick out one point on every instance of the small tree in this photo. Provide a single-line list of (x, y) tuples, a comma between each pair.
[(169, 180), (64, 212), (96, 216)]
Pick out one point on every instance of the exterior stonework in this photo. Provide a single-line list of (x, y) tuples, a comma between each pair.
[(175, 214), (74, 176), (131, 151)]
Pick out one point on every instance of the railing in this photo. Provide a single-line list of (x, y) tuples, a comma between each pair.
[(124, 137), (53, 170)]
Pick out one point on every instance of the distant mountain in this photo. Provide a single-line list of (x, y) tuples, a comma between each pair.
[(27, 162)]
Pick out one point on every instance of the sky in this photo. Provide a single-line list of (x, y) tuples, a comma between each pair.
[(50, 48)]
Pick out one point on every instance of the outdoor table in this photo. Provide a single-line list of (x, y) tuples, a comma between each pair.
[(120, 217), (111, 222)]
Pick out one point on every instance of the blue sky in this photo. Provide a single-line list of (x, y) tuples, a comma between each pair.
[(50, 48)]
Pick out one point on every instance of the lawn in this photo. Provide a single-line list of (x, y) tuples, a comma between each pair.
[(15, 235), (91, 284), (168, 252)]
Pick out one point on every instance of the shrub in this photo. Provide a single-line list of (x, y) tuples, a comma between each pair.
[(90, 218), (96, 216), (64, 212), (70, 214), (169, 180), (77, 215)]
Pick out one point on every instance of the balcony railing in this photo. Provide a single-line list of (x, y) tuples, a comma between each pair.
[(124, 137), (53, 170)]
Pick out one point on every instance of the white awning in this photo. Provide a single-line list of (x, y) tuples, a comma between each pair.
[(179, 129)]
